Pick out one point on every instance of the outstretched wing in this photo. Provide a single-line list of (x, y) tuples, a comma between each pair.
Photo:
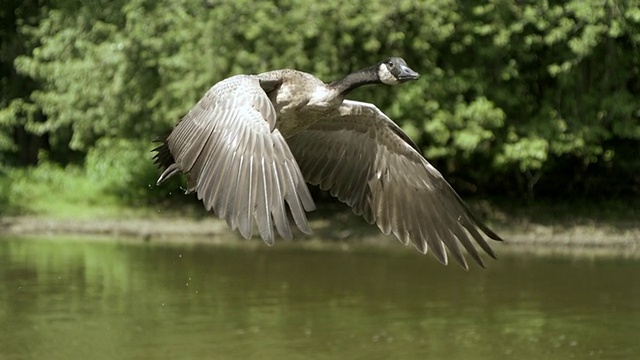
[(237, 162), (366, 161)]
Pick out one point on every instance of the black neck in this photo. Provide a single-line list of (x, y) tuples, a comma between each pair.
[(356, 79)]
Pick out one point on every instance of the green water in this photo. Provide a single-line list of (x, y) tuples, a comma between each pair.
[(88, 299)]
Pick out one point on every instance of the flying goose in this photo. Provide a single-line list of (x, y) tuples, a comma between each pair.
[(249, 146)]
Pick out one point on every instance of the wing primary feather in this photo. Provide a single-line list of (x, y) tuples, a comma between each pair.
[(255, 181), (433, 239), (444, 223), (167, 173), (234, 183), (244, 189), (302, 191), (485, 229), (247, 211), (227, 182), (420, 243), (293, 176), (383, 216), (278, 210), (198, 161), (468, 245), (201, 175), (292, 199), (444, 229), (264, 217), (240, 203), (396, 224), (452, 211), (220, 169), (233, 213), (194, 145), (476, 235)]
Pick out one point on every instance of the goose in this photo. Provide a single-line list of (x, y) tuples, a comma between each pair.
[(249, 147)]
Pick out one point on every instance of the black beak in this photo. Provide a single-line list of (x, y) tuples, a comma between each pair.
[(407, 74)]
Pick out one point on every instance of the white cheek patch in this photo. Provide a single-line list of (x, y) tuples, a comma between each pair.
[(386, 76)]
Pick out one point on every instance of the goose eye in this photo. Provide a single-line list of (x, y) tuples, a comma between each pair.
[(390, 63)]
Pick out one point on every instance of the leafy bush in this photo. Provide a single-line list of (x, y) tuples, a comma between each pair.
[(48, 188), (123, 169)]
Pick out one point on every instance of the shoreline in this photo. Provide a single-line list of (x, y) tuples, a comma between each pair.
[(339, 229)]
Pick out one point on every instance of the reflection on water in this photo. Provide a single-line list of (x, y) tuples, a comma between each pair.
[(74, 299)]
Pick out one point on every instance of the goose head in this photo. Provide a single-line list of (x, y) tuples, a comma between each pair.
[(394, 70), (391, 71)]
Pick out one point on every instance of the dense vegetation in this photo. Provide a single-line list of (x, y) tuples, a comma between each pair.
[(515, 98)]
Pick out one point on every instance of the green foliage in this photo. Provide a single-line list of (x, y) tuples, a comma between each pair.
[(48, 188), (6, 206), (16, 145), (116, 172), (122, 169), (465, 129), (566, 76), (525, 90)]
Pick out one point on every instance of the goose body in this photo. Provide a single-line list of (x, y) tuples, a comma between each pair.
[(251, 144)]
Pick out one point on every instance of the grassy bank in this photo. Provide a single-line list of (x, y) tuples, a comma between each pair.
[(54, 200), (335, 226)]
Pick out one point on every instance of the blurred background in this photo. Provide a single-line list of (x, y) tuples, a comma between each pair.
[(531, 109), (517, 100)]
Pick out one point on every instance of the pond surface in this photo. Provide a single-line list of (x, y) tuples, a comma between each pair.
[(100, 299)]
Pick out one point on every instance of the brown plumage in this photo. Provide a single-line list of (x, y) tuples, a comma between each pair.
[(250, 144)]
